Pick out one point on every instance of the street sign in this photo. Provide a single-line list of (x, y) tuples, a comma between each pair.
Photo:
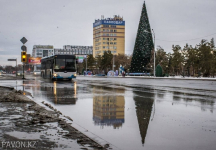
[(11, 59), (24, 48), (23, 40)]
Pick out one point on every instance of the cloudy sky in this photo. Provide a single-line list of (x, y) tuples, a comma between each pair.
[(70, 22)]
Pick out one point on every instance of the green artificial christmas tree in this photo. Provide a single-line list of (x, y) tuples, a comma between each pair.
[(143, 45)]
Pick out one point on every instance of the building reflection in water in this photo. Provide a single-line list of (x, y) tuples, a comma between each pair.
[(144, 103), (108, 109), (61, 93)]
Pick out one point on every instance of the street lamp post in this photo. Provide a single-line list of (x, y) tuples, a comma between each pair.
[(86, 63), (113, 62), (154, 51)]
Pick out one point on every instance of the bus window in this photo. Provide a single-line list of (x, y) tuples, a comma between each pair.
[(70, 64), (60, 63)]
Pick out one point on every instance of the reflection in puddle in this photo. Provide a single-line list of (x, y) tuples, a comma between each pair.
[(61, 93), (144, 102), (108, 110)]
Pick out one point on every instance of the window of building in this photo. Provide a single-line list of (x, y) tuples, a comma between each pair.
[(114, 47), (111, 34), (115, 30), (114, 34), (106, 26), (108, 39), (104, 30), (111, 42), (111, 39), (111, 30), (103, 47), (104, 38), (107, 30), (114, 39), (115, 43), (114, 51), (107, 34), (104, 42), (107, 43)]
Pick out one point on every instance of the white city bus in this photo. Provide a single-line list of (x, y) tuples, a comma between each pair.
[(59, 67)]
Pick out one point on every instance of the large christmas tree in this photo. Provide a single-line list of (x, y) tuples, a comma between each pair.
[(143, 45)]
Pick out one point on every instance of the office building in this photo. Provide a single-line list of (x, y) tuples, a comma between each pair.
[(42, 50), (74, 50), (109, 34)]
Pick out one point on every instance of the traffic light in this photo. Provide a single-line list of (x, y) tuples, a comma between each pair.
[(23, 57)]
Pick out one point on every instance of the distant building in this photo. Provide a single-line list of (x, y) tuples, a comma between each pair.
[(42, 50), (109, 34), (74, 50)]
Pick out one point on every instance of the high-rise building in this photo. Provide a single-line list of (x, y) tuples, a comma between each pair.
[(109, 34)]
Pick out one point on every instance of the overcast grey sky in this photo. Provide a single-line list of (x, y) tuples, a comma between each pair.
[(70, 22)]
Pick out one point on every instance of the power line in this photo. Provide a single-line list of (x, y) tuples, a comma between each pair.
[(186, 40)]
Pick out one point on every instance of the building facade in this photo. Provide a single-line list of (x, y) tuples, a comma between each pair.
[(42, 50), (74, 50), (109, 34)]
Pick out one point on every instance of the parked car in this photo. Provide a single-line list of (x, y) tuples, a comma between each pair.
[(37, 73)]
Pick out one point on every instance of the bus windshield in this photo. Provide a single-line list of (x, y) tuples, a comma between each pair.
[(65, 64)]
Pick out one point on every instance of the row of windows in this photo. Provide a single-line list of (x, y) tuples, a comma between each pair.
[(109, 47), (40, 50), (109, 26), (98, 52), (106, 47), (85, 52), (105, 34), (105, 26), (109, 113), (98, 27), (105, 30), (76, 47), (107, 109), (109, 34), (72, 50), (108, 39), (109, 43)]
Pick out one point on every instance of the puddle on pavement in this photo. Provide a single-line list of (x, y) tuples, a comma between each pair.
[(142, 116)]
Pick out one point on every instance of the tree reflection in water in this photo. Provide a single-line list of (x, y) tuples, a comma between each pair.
[(144, 103)]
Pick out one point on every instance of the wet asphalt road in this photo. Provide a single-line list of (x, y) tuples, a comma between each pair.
[(133, 113)]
